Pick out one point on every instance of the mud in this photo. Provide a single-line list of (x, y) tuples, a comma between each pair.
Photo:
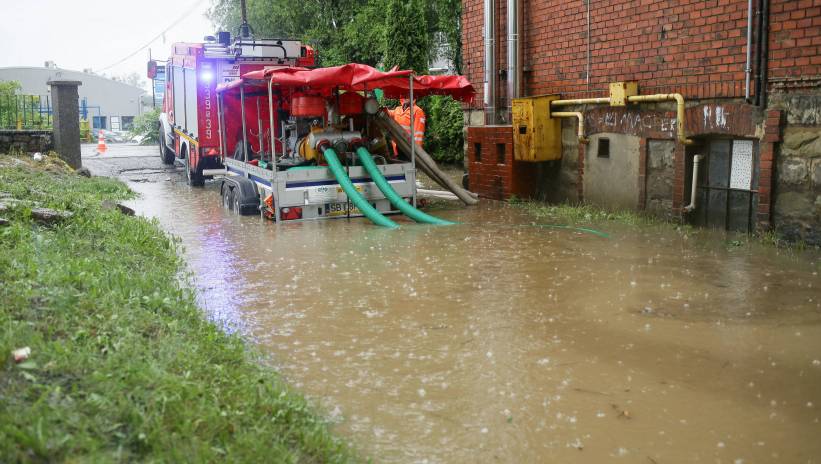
[(498, 341)]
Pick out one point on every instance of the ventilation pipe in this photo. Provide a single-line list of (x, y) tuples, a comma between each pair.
[(748, 70), (694, 184), (490, 61), (513, 89), (761, 98)]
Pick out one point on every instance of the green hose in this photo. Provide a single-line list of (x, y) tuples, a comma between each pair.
[(356, 198), (396, 200)]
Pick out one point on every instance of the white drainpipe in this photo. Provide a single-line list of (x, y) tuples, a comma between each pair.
[(513, 90), (694, 185), (490, 61)]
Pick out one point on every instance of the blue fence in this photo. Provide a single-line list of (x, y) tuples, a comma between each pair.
[(25, 112)]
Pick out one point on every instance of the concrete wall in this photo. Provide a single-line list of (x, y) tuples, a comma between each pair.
[(114, 98), (660, 177), (612, 182)]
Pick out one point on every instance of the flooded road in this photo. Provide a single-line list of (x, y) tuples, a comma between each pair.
[(498, 341)]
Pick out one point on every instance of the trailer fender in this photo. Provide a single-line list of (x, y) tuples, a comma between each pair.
[(245, 195)]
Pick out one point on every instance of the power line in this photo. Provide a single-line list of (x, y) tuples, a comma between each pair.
[(188, 11)]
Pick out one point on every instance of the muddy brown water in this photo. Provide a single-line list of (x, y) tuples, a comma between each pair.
[(497, 341)]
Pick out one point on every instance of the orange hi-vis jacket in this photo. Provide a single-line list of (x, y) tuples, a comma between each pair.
[(403, 117)]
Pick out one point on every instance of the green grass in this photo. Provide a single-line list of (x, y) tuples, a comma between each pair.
[(124, 367), (586, 214)]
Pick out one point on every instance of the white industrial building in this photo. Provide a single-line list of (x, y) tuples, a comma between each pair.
[(106, 103)]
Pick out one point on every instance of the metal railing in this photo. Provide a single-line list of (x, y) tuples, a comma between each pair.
[(25, 112)]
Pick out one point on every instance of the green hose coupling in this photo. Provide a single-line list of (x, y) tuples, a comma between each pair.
[(323, 145), (356, 143)]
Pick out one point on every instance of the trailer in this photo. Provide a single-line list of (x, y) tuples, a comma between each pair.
[(188, 124), (303, 144)]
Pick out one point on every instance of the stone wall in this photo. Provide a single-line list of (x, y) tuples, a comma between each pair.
[(797, 190), (26, 140), (660, 177)]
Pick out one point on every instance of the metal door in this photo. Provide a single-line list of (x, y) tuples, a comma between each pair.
[(727, 192)]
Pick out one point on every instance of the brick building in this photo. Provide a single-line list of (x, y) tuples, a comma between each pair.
[(760, 143)]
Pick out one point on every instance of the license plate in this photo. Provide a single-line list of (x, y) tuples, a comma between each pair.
[(340, 209)]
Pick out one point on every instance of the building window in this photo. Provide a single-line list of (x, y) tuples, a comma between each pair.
[(127, 122), (99, 122), (603, 150), (500, 153), (115, 123)]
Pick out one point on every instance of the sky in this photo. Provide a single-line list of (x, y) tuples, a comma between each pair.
[(80, 34)]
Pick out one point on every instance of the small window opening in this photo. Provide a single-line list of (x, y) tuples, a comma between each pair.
[(477, 151), (603, 150), (522, 130), (500, 153)]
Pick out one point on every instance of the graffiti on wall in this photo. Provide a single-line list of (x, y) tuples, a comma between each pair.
[(654, 124), (710, 118)]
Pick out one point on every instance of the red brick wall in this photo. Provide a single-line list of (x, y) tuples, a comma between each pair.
[(695, 47), (495, 174), (795, 38)]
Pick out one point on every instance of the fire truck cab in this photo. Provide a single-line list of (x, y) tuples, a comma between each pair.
[(188, 124)]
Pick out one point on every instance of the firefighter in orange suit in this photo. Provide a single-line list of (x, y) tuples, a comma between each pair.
[(402, 115)]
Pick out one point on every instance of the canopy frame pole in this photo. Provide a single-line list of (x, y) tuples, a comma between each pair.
[(365, 130), (271, 123), (244, 128), (274, 205), (413, 138)]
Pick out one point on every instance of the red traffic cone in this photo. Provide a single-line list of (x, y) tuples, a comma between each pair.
[(101, 142)]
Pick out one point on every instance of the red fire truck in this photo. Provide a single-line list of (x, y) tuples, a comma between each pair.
[(188, 125)]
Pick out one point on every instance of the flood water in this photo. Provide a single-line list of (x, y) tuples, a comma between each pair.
[(497, 341)]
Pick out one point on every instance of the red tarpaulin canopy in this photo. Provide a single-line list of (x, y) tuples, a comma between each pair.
[(356, 77)]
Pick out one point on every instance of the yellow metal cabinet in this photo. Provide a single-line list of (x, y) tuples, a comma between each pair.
[(536, 136)]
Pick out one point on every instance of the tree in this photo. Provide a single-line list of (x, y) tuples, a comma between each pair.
[(344, 31), (8, 103), (146, 129), (407, 43)]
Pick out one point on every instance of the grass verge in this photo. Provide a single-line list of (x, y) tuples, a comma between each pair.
[(123, 366), (586, 214)]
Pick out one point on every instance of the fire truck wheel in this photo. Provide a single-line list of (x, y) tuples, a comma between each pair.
[(166, 155), (195, 178)]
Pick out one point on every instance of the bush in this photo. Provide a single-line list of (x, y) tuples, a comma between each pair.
[(146, 128), (444, 139)]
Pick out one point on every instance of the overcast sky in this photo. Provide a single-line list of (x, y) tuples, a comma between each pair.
[(95, 34)]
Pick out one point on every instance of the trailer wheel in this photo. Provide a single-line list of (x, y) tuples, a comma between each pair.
[(240, 194), (166, 155), (195, 178), (227, 196)]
